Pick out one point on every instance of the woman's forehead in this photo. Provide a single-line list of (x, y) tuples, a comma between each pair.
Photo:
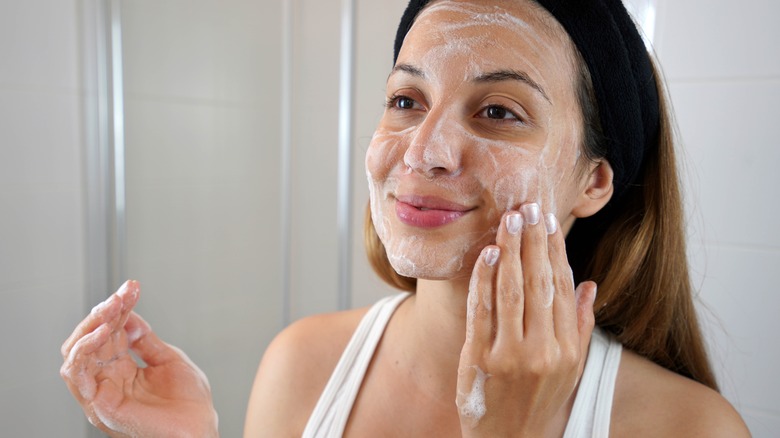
[(519, 17), (489, 35)]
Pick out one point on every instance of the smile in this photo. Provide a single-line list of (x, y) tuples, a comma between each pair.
[(428, 212)]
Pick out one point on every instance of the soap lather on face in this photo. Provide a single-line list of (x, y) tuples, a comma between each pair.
[(460, 66)]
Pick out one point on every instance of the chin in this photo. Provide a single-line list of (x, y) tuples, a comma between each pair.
[(427, 263)]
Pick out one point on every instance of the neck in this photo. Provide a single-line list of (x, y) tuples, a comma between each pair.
[(433, 326)]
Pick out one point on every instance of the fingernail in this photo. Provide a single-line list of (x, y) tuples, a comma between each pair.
[(491, 256), (513, 223), (551, 223), (122, 291), (531, 213)]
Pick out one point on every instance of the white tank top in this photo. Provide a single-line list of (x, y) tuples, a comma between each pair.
[(590, 415)]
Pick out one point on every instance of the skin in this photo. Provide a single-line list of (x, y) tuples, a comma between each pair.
[(491, 297), (446, 144), (170, 397)]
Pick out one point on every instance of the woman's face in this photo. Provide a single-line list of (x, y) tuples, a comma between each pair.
[(482, 117)]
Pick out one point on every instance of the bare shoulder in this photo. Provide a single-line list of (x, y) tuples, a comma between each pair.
[(294, 370), (653, 401)]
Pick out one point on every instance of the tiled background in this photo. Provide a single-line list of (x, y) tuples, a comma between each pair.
[(723, 71), (203, 112)]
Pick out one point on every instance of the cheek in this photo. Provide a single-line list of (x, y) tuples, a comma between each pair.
[(558, 171), (384, 153), (510, 174)]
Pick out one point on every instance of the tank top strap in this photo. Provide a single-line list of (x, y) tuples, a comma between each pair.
[(331, 413), (592, 410)]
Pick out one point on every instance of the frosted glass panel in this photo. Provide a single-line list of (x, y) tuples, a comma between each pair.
[(202, 181)]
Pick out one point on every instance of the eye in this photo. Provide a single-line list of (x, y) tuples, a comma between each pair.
[(498, 112), (402, 103)]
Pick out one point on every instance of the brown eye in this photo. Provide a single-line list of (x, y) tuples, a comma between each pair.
[(497, 112), (404, 103)]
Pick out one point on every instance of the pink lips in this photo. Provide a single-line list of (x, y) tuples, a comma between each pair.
[(428, 211)]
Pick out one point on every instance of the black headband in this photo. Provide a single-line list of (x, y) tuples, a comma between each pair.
[(621, 72)]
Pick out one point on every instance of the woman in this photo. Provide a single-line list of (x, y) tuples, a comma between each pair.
[(510, 126)]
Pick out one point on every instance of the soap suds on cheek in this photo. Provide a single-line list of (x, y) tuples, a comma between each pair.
[(557, 166), (472, 405), (381, 158)]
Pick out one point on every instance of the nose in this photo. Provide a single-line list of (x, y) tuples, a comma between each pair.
[(435, 149)]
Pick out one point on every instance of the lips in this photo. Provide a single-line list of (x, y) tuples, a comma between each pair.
[(428, 211)]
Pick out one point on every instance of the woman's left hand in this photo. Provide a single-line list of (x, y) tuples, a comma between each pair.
[(528, 332)]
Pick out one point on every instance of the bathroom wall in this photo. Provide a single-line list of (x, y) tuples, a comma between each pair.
[(721, 63), (202, 124), (203, 136), (42, 212)]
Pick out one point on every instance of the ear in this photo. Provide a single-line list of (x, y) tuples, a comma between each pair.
[(597, 192)]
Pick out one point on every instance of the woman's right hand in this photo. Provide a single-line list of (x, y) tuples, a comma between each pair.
[(168, 397)]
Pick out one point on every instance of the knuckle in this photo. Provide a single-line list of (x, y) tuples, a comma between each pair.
[(482, 311), (542, 364), (570, 355), (562, 284), (539, 280), (511, 297)]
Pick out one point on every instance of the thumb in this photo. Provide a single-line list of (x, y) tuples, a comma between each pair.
[(585, 295), (586, 320), (145, 343)]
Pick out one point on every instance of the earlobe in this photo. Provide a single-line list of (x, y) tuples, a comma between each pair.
[(597, 191)]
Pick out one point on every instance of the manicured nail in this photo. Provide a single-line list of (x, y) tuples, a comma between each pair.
[(531, 213), (551, 223), (491, 256), (513, 223), (124, 289)]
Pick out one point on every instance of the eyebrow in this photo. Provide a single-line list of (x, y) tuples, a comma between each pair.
[(495, 76), (412, 70), (511, 75)]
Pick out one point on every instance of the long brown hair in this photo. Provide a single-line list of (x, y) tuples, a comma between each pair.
[(634, 249), (645, 295)]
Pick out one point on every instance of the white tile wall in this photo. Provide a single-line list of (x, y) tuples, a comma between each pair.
[(42, 257), (731, 154), (314, 252), (719, 58), (202, 139), (718, 39), (40, 45)]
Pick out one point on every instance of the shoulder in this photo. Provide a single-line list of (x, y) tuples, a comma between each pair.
[(653, 401), (294, 370)]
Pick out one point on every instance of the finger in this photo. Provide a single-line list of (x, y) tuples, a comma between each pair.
[(537, 275), (79, 369), (106, 312), (129, 296), (564, 305), (145, 343), (479, 311), (585, 297), (509, 280)]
